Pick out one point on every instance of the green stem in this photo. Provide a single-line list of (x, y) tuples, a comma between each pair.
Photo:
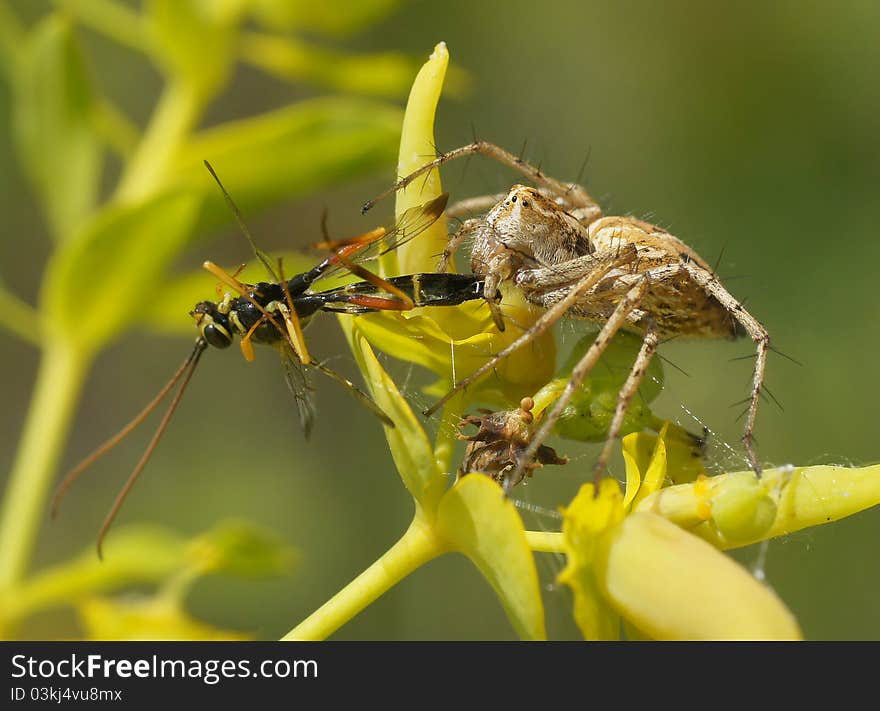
[(112, 19), (19, 317), (11, 39), (59, 382), (417, 546), (177, 112), (115, 128)]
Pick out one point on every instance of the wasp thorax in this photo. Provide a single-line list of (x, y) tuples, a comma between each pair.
[(212, 324)]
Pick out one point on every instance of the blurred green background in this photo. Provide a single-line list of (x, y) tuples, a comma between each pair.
[(750, 128)]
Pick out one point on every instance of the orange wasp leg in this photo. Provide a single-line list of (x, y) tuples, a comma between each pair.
[(235, 284), (343, 248), (291, 320), (247, 348)]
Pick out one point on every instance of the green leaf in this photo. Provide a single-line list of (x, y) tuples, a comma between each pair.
[(98, 283), (194, 41), (167, 311), (484, 525), (289, 153), (382, 74), (52, 118), (409, 444), (241, 549), (330, 17)]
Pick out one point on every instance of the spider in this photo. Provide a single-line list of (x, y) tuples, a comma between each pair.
[(554, 244)]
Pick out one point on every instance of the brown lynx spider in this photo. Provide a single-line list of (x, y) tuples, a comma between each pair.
[(554, 244)]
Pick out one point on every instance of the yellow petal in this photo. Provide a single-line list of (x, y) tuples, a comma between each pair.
[(655, 474), (801, 497), (454, 341), (672, 585), (410, 447), (416, 149), (586, 521), (637, 450), (477, 519)]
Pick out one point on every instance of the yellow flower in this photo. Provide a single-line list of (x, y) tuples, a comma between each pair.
[(651, 557)]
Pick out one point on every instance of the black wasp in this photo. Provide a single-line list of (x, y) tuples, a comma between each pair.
[(275, 312)]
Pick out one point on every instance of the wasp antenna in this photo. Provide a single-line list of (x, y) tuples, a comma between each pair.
[(75, 473), (258, 253), (186, 371)]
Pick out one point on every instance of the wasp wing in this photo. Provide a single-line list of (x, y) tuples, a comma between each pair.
[(300, 387), (376, 243)]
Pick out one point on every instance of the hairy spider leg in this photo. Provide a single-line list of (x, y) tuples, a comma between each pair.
[(583, 368), (756, 332), (649, 345), (603, 265), (573, 194)]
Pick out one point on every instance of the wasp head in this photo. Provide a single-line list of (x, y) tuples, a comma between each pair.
[(213, 325)]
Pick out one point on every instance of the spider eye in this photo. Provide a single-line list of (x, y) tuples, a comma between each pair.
[(525, 203), (513, 199), (216, 335)]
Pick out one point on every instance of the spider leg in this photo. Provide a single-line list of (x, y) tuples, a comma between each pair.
[(557, 276), (483, 203), (601, 267), (579, 372), (571, 194), (470, 206), (468, 227), (630, 387), (756, 332)]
